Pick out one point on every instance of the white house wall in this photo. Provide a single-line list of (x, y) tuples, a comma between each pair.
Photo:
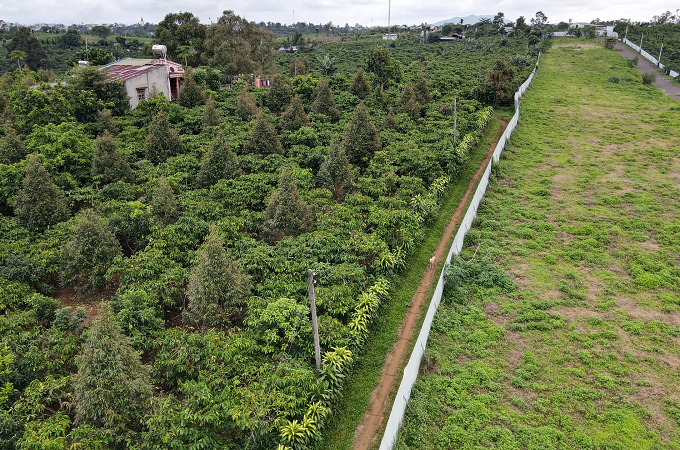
[(158, 77)]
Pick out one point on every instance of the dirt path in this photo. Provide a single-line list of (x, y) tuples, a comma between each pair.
[(644, 66), (366, 431)]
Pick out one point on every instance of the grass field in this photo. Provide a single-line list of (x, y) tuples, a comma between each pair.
[(575, 343)]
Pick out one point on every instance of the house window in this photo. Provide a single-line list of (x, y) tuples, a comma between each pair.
[(141, 94)]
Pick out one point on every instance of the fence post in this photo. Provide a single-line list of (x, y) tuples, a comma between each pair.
[(315, 324)]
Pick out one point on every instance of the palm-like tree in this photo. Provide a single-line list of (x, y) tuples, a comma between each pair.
[(327, 64), (184, 52), (18, 55)]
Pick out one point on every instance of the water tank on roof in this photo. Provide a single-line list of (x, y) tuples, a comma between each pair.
[(160, 50)]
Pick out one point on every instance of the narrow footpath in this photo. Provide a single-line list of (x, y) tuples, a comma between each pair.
[(367, 429), (644, 66)]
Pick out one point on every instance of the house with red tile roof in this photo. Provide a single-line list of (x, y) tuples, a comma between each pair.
[(142, 77)]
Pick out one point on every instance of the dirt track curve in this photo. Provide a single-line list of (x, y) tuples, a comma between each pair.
[(665, 84), (365, 433)]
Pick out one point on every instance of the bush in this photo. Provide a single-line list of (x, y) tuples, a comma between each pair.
[(648, 78), (614, 79)]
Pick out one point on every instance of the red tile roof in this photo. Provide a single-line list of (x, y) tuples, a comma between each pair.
[(123, 72)]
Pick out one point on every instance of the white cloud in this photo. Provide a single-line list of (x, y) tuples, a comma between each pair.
[(321, 11)]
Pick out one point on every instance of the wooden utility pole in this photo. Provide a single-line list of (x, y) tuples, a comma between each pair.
[(315, 324)]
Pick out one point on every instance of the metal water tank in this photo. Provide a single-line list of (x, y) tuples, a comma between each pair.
[(160, 50)]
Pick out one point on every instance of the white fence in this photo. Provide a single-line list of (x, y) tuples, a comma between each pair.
[(413, 366), (649, 57)]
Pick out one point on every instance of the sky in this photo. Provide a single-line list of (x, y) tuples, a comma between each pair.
[(365, 12)]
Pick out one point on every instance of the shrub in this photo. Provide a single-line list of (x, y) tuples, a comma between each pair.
[(614, 79), (648, 78), (39, 203), (218, 288), (91, 249)]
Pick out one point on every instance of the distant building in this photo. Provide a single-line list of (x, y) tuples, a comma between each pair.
[(141, 77), (390, 36), (3, 26), (453, 37)]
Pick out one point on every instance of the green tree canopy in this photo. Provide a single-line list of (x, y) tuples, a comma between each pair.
[(211, 116), (324, 103), (421, 90), (287, 213), (108, 165), (498, 85), (295, 116), (90, 250), (71, 38), (105, 122), (279, 94), (101, 31), (39, 203), (163, 202), (180, 30), (218, 163), (246, 108), (35, 56), (408, 103), (360, 85), (112, 389), (218, 288), (161, 141), (361, 139), (12, 150), (237, 46), (263, 138), (384, 67), (191, 93), (335, 172)]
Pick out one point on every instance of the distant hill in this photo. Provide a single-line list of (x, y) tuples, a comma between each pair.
[(467, 20)]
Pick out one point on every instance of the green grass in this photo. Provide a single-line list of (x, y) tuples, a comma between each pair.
[(339, 434), (583, 213)]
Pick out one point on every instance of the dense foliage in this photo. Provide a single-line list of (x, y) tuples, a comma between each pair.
[(196, 223)]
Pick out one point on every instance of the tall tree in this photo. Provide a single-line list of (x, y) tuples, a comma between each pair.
[(324, 103), (408, 103), (108, 165), (12, 150), (295, 116), (180, 29), (246, 108), (499, 19), (384, 67), (361, 139), (236, 45), (263, 138), (105, 122), (498, 85), (279, 94), (112, 389), (90, 250), (39, 203), (540, 20), (421, 90), (218, 288), (287, 213), (191, 94), (218, 163), (211, 117), (360, 85), (35, 56), (18, 56), (161, 141), (163, 202), (335, 173)]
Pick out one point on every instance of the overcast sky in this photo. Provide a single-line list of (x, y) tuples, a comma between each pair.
[(365, 12)]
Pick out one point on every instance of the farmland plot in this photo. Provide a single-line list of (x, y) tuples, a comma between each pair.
[(560, 325)]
